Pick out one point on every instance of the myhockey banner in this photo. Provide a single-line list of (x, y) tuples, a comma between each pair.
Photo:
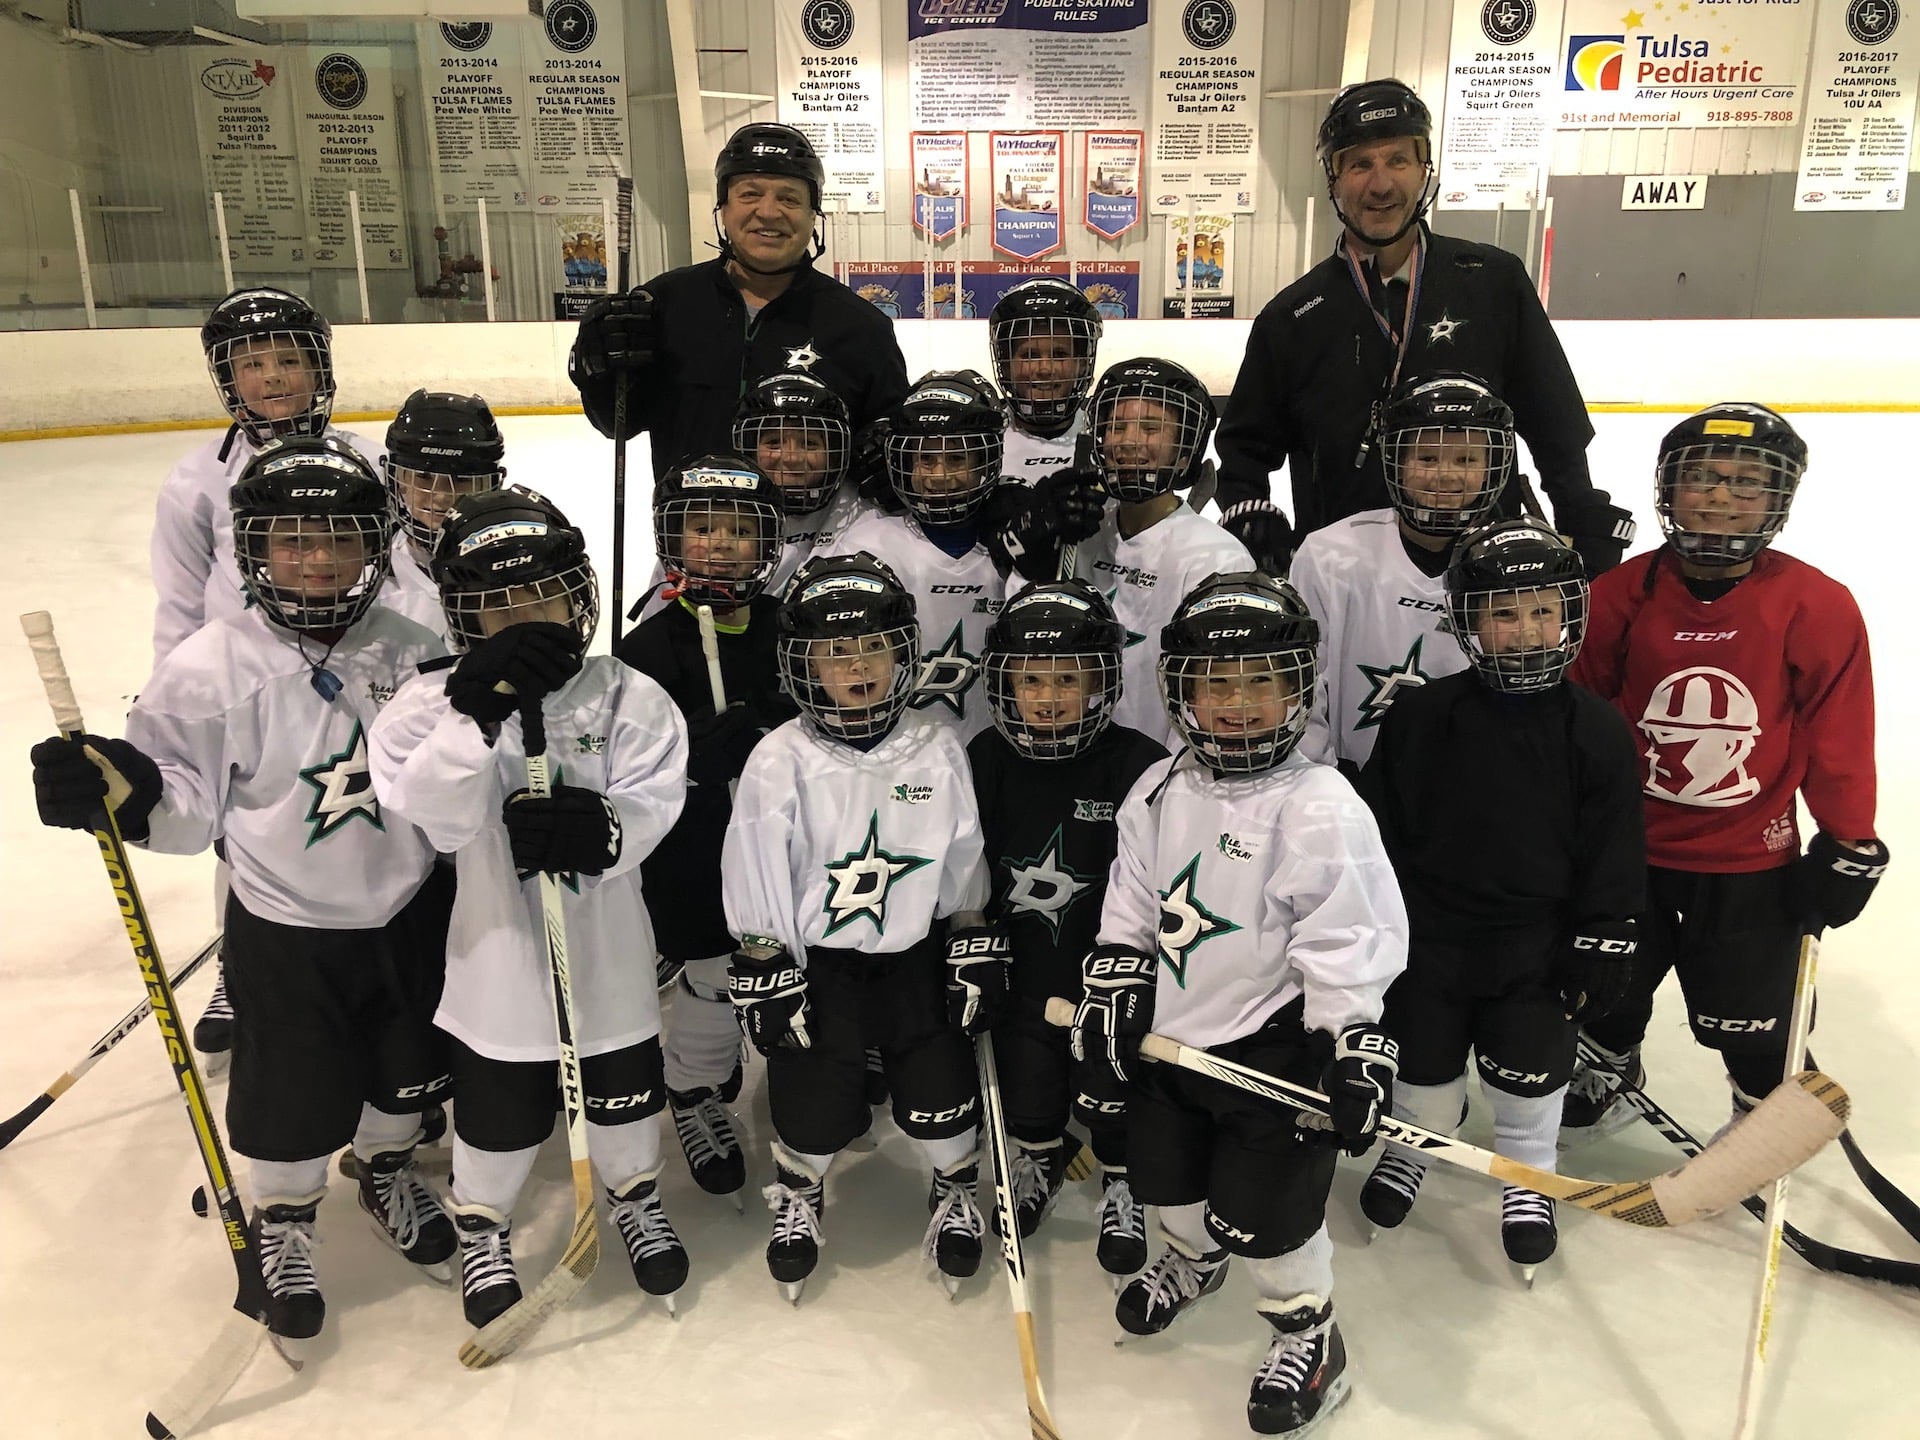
[(1853, 153), (829, 73), (243, 109), (1199, 260), (1112, 285), (1112, 179), (1705, 66), (1503, 102), (987, 280), (1206, 105), (577, 96), (1026, 192), (939, 160), (1023, 64), (476, 84), (347, 143)]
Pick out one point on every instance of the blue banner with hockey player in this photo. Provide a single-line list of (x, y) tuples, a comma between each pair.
[(939, 166), (1026, 192), (1112, 173)]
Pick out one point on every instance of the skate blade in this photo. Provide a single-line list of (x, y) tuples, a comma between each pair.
[(1336, 1392), (790, 1291), (673, 1311), (739, 1205), (215, 1063)]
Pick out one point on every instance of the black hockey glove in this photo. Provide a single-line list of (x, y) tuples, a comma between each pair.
[(570, 831), (72, 776), (1831, 883), (616, 334), (1117, 1010), (1031, 523), (1596, 968), (769, 994), (718, 745), (979, 977), (531, 660), (867, 468), (1265, 532), (1359, 1084), (1598, 529)]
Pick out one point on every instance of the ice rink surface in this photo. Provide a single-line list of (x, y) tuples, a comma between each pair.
[(111, 1285)]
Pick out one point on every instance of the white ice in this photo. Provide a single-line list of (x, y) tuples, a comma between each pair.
[(111, 1284)]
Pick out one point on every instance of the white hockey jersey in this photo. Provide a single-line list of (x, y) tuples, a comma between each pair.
[(1382, 630), (1028, 457), (1252, 891), (1145, 579), (833, 848), (609, 729), (956, 598), (195, 575), (411, 591), (248, 749)]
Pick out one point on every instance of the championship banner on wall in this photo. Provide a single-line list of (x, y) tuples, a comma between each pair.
[(1027, 64), (577, 94), (1112, 285), (476, 82), (1026, 192), (1206, 105), (1705, 66), (896, 288), (347, 142), (828, 63), (1199, 259), (243, 111), (1503, 102), (938, 162), (1853, 153), (1112, 171), (987, 280)]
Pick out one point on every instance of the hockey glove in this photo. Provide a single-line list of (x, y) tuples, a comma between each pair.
[(571, 831), (1359, 1084), (1265, 532), (1596, 968), (616, 334), (523, 664), (769, 994), (979, 977), (1032, 522), (1117, 1010), (1598, 529), (1831, 883), (867, 468), (71, 777), (718, 745)]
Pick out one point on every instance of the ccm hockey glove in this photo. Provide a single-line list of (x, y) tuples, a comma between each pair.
[(1030, 523), (1596, 968), (979, 977), (570, 831), (1598, 529), (769, 994), (1259, 526), (1359, 1084), (523, 664), (616, 334), (1832, 882), (71, 777), (1117, 1010)]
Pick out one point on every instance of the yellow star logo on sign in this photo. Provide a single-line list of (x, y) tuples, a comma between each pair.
[(1632, 20)]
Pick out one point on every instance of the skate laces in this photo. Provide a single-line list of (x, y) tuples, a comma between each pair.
[(1029, 1181), (705, 1131), (485, 1260), (1174, 1281), (796, 1212), (1525, 1207), (1290, 1360), (642, 1223), (1120, 1213), (954, 1213), (400, 1193), (1591, 1083), (218, 1006), (286, 1256), (1400, 1173)]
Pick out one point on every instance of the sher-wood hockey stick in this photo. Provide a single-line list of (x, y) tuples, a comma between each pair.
[(993, 1130), (508, 1331), (1785, 1130), (130, 1022), (186, 1403), (623, 241)]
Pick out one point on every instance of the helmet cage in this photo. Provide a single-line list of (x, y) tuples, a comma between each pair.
[(1007, 336), (274, 547), (1764, 499), (1227, 738), (691, 514), (1130, 471), (1520, 671), (314, 343), (783, 432)]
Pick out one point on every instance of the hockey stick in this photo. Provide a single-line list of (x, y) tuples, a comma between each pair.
[(508, 1331), (1082, 461), (1817, 1253), (1793, 1125), (130, 1022), (1890, 1197), (198, 1390), (993, 1128), (623, 240)]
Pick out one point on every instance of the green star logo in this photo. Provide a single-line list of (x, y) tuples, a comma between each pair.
[(1044, 886), (1186, 924), (342, 789), (1387, 682), (860, 881)]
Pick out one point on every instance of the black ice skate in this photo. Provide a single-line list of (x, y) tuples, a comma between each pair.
[(1527, 1229), (1305, 1373), (407, 1214), (283, 1229), (488, 1285), (659, 1259), (1178, 1281), (1594, 1107), (955, 1232), (797, 1196), (1122, 1247), (1391, 1189), (213, 1031), (1040, 1172), (706, 1134)]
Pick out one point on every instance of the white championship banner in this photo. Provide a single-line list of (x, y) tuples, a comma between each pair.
[(1860, 95), (828, 60), (475, 80), (577, 93), (348, 143), (1206, 105), (243, 110), (1503, 102)]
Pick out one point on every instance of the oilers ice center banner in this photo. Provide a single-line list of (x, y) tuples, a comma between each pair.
[(347, 143), (1111, 174), (1860, 99), (938, 160), (1700, 65), (576, 62), (475, 79), (243, 110), (1206, 104), (1503, 102), (828, 68), (1027, 64), (1026, 192)]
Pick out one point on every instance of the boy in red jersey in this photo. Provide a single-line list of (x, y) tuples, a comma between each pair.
[(1745, 675)]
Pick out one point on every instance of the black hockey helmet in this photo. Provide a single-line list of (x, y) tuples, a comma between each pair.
[(944, 445), (1517, 603), (798, 431), (1042, 309), (1237, 671), (1377, 110), (711, 502), (248, 326), (498, 542), (1147, 451), (1747, 453), (312, 532), (1445, 491), (764, 148), (439, 447), (849, 645), (1054, 653)]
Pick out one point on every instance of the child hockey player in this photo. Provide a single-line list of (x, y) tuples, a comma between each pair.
[(1048, 778), (1374, 580), (854, 836), (439, 447), (521, 604), (1509, 805), (716, 528), (254, 728), (1045, 336), (1252, 912), (796, 430), (1745, 676)]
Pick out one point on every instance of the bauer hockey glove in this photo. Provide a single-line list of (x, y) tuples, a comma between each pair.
[(72, 776), (769, 994), (522, 665), (1259, 525), (571, 831), (1596, 968), (1598, 530), (1359, 1084), (1116, 1012), (1030, 523), (616, 334), (718, 745), (979, 977), (1832, 883)]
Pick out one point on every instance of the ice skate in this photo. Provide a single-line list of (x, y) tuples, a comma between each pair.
[(1305, 1373), (283, 1229), (797, 1198), (1527, 1230), (1040, 1172), (1177, 1281), (1389, 1192), (705, 1131), (1594, 1107), (405, 1213), (488, 1285), (955, 1232), (659, 1259), (1122, 1247)]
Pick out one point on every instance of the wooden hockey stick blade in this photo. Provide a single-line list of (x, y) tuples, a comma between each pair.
[(184, 1407), (509, 1331), (1890, 1197), (1039, 1417)]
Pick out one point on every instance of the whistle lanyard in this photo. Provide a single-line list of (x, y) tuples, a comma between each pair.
[(1398, 339)]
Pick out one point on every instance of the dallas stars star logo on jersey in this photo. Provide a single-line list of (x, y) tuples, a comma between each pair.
[(1134, 637), (1044, 886), (342, 789), (1443, 328), (946, 675), (802, 357), (860, 881), (1186, 924), (1388, 681)]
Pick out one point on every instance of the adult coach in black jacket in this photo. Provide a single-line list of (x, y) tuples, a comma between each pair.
[(695, 338), (1394, 299)]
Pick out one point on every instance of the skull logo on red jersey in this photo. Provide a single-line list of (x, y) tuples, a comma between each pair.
[(1700, 725)]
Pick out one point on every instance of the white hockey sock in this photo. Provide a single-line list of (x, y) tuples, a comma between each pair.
[(623, 1152), (1526, 1128), (1431, 1107), (700, 1039), (492, 1178), (1188, 1225), (1305, 1270), (945, 1154), (380, 1131), (792, 1160), (282, 1180)]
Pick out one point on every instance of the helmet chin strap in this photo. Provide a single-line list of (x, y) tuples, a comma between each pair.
[(731, 256)]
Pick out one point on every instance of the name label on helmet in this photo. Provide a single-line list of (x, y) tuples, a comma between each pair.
[(1386, 112), (831, 583), (721, 480), (333, 462), (1238, 597), (505, 530), (1054, 597), (1505, 535), (1743, 428), (941, 392)]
